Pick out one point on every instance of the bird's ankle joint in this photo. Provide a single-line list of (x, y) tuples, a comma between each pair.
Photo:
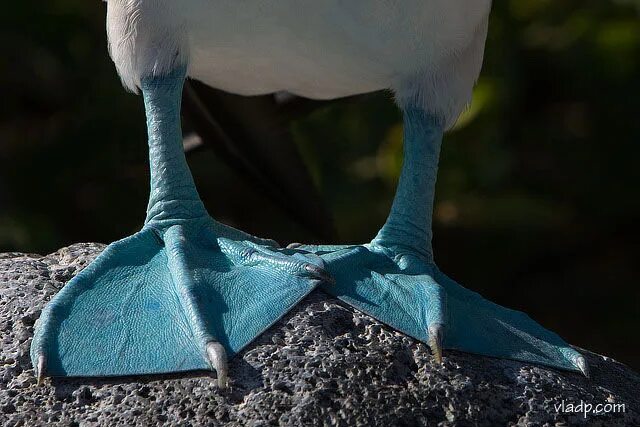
[(405, 257)]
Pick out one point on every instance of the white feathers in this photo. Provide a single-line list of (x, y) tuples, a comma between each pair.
[(143, 40), (428, 51), (445, 88)]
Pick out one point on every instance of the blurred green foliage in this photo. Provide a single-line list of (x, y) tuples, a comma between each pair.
[(537, 200)]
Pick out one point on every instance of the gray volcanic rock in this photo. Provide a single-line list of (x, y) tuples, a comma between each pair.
[(323, 364)]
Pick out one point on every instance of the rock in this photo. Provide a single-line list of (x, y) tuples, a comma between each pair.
[(323, 364)]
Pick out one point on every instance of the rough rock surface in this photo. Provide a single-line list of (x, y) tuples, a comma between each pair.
[(323, 364)]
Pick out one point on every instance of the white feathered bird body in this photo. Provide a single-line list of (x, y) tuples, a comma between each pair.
[(429, 52)]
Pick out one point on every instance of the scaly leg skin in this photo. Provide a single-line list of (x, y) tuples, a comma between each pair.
[(181, 294), (394, 278)]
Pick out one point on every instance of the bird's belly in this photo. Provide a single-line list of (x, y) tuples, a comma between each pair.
[(324, 48), (246, 71)]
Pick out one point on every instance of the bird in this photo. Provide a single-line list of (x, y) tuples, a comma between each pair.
[(187, 292)]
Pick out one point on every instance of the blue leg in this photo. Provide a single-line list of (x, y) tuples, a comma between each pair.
[(395, 279), (180, 294)]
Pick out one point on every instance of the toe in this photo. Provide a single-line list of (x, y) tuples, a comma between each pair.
[(582, 365), (218, 359), (304, 265), (318, 273), (479, 326), (41, 369), (436, 338)]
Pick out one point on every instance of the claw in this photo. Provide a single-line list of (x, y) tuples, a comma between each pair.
[(218, 360), (581, 363), (40, 369), (436, 335), (294, 245), (320, 273)]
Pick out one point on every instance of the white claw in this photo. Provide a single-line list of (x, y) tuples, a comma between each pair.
[(436, 336), (581, 363), (40, 369), (218, 360), (293, 245)]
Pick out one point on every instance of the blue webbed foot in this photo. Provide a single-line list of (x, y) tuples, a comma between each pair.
[(176, 300), (395, 278), (409, 293), (181, 294)]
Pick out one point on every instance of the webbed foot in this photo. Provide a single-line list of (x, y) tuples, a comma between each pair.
[(395, 278), (179, 300), (409, 293), (183, 293)]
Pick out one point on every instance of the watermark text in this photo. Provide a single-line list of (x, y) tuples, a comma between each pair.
[(586, 408)]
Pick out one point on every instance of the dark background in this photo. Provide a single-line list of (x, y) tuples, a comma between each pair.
[(537, 205)]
